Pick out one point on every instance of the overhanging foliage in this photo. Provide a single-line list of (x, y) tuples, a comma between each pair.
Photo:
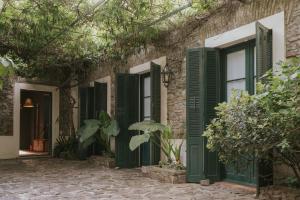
[(61, 39)]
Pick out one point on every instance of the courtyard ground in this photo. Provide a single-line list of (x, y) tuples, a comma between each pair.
[(61, 179)]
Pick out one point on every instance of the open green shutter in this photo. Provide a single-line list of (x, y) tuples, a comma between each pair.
[(203, 94), (264, 62), (127, 113), (155, 108), (91, 103), (195, 154), (100, 98), (211, 100), (263, 49), (83, 92)]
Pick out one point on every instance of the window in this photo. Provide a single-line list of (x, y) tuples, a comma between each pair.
[(145, 97), (239, 67)]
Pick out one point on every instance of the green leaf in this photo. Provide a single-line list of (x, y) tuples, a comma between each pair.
[(148, 126), (112, 130), (88, 130), (137, 140)]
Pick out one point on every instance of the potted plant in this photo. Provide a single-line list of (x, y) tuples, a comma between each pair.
[(169, 170)]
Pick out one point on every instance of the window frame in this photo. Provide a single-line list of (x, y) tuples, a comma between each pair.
[(248, 46), (142, 97)]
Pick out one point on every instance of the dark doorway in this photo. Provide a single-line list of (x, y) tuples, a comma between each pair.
[(35, 123)]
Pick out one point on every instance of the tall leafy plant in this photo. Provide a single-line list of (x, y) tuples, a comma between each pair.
[(100, 130), (252, 126), (154, 132)]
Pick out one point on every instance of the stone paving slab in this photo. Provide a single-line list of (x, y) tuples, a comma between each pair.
[(60, 179)]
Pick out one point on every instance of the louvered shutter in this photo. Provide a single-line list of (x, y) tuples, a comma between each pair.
[(264, 58), (100, 98), (195, 154), (263, 49), (203, 94), (127, 113), (212, 98), (83, 92), (155, 109)]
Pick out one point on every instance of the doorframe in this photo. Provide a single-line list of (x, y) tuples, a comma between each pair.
[(17, 106)]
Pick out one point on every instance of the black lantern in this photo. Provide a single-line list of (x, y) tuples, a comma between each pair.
[(166, 75)]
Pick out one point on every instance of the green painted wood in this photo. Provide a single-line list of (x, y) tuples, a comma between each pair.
[(100, 91), (243, 171), (83, 103), (194, 118), (264, 60), (211, 100), (155, 109), (263, 49), (203, 94), (127, 113)]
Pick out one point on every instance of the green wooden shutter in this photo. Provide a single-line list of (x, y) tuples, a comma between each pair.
[(263, 49), (195, 154), (264, 62), (100, 98), (212, 98), (203, 94), (91, 103), (83, 92), (127, 113), (155, 109)]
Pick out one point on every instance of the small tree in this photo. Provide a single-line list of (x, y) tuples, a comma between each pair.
[(252, 126)]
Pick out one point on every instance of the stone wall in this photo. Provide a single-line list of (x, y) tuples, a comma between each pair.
[(231, 14), (6, 108)]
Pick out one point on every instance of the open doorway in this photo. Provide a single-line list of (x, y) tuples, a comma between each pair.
[(35, 123)]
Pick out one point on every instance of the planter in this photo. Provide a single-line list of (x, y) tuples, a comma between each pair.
[(165, 175), (103, 161)]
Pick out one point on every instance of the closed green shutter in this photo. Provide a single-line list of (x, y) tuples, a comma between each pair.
[(263, 49), (100, 98), (127, 113), (155, 108), (203, 94)]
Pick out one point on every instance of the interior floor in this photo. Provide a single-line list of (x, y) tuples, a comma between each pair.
[(31, 153)]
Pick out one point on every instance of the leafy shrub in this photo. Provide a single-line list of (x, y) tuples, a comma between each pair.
[(252, 126), (66, 147), (98, 130)]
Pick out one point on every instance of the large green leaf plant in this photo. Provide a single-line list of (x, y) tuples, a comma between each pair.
[(100, 130), (154, 132)]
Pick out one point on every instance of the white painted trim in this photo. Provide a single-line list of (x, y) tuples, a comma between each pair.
[(107, 80), (247, 32), (144, 68), (9, 145)]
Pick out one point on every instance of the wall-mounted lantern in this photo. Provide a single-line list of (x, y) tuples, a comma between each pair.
[(166, 75)]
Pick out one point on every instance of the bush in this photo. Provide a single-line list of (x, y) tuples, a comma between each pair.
[(66, 147), (252, 126)]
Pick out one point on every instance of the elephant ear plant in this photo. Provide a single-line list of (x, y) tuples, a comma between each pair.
[(154, 132), (100, 130)]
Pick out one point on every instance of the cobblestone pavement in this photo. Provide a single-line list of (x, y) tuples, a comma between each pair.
[(60, 179)]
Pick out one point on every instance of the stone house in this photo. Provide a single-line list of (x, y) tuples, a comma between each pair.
[(208, 56)]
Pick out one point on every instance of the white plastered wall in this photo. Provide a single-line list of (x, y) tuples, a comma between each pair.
[(9, 145)]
